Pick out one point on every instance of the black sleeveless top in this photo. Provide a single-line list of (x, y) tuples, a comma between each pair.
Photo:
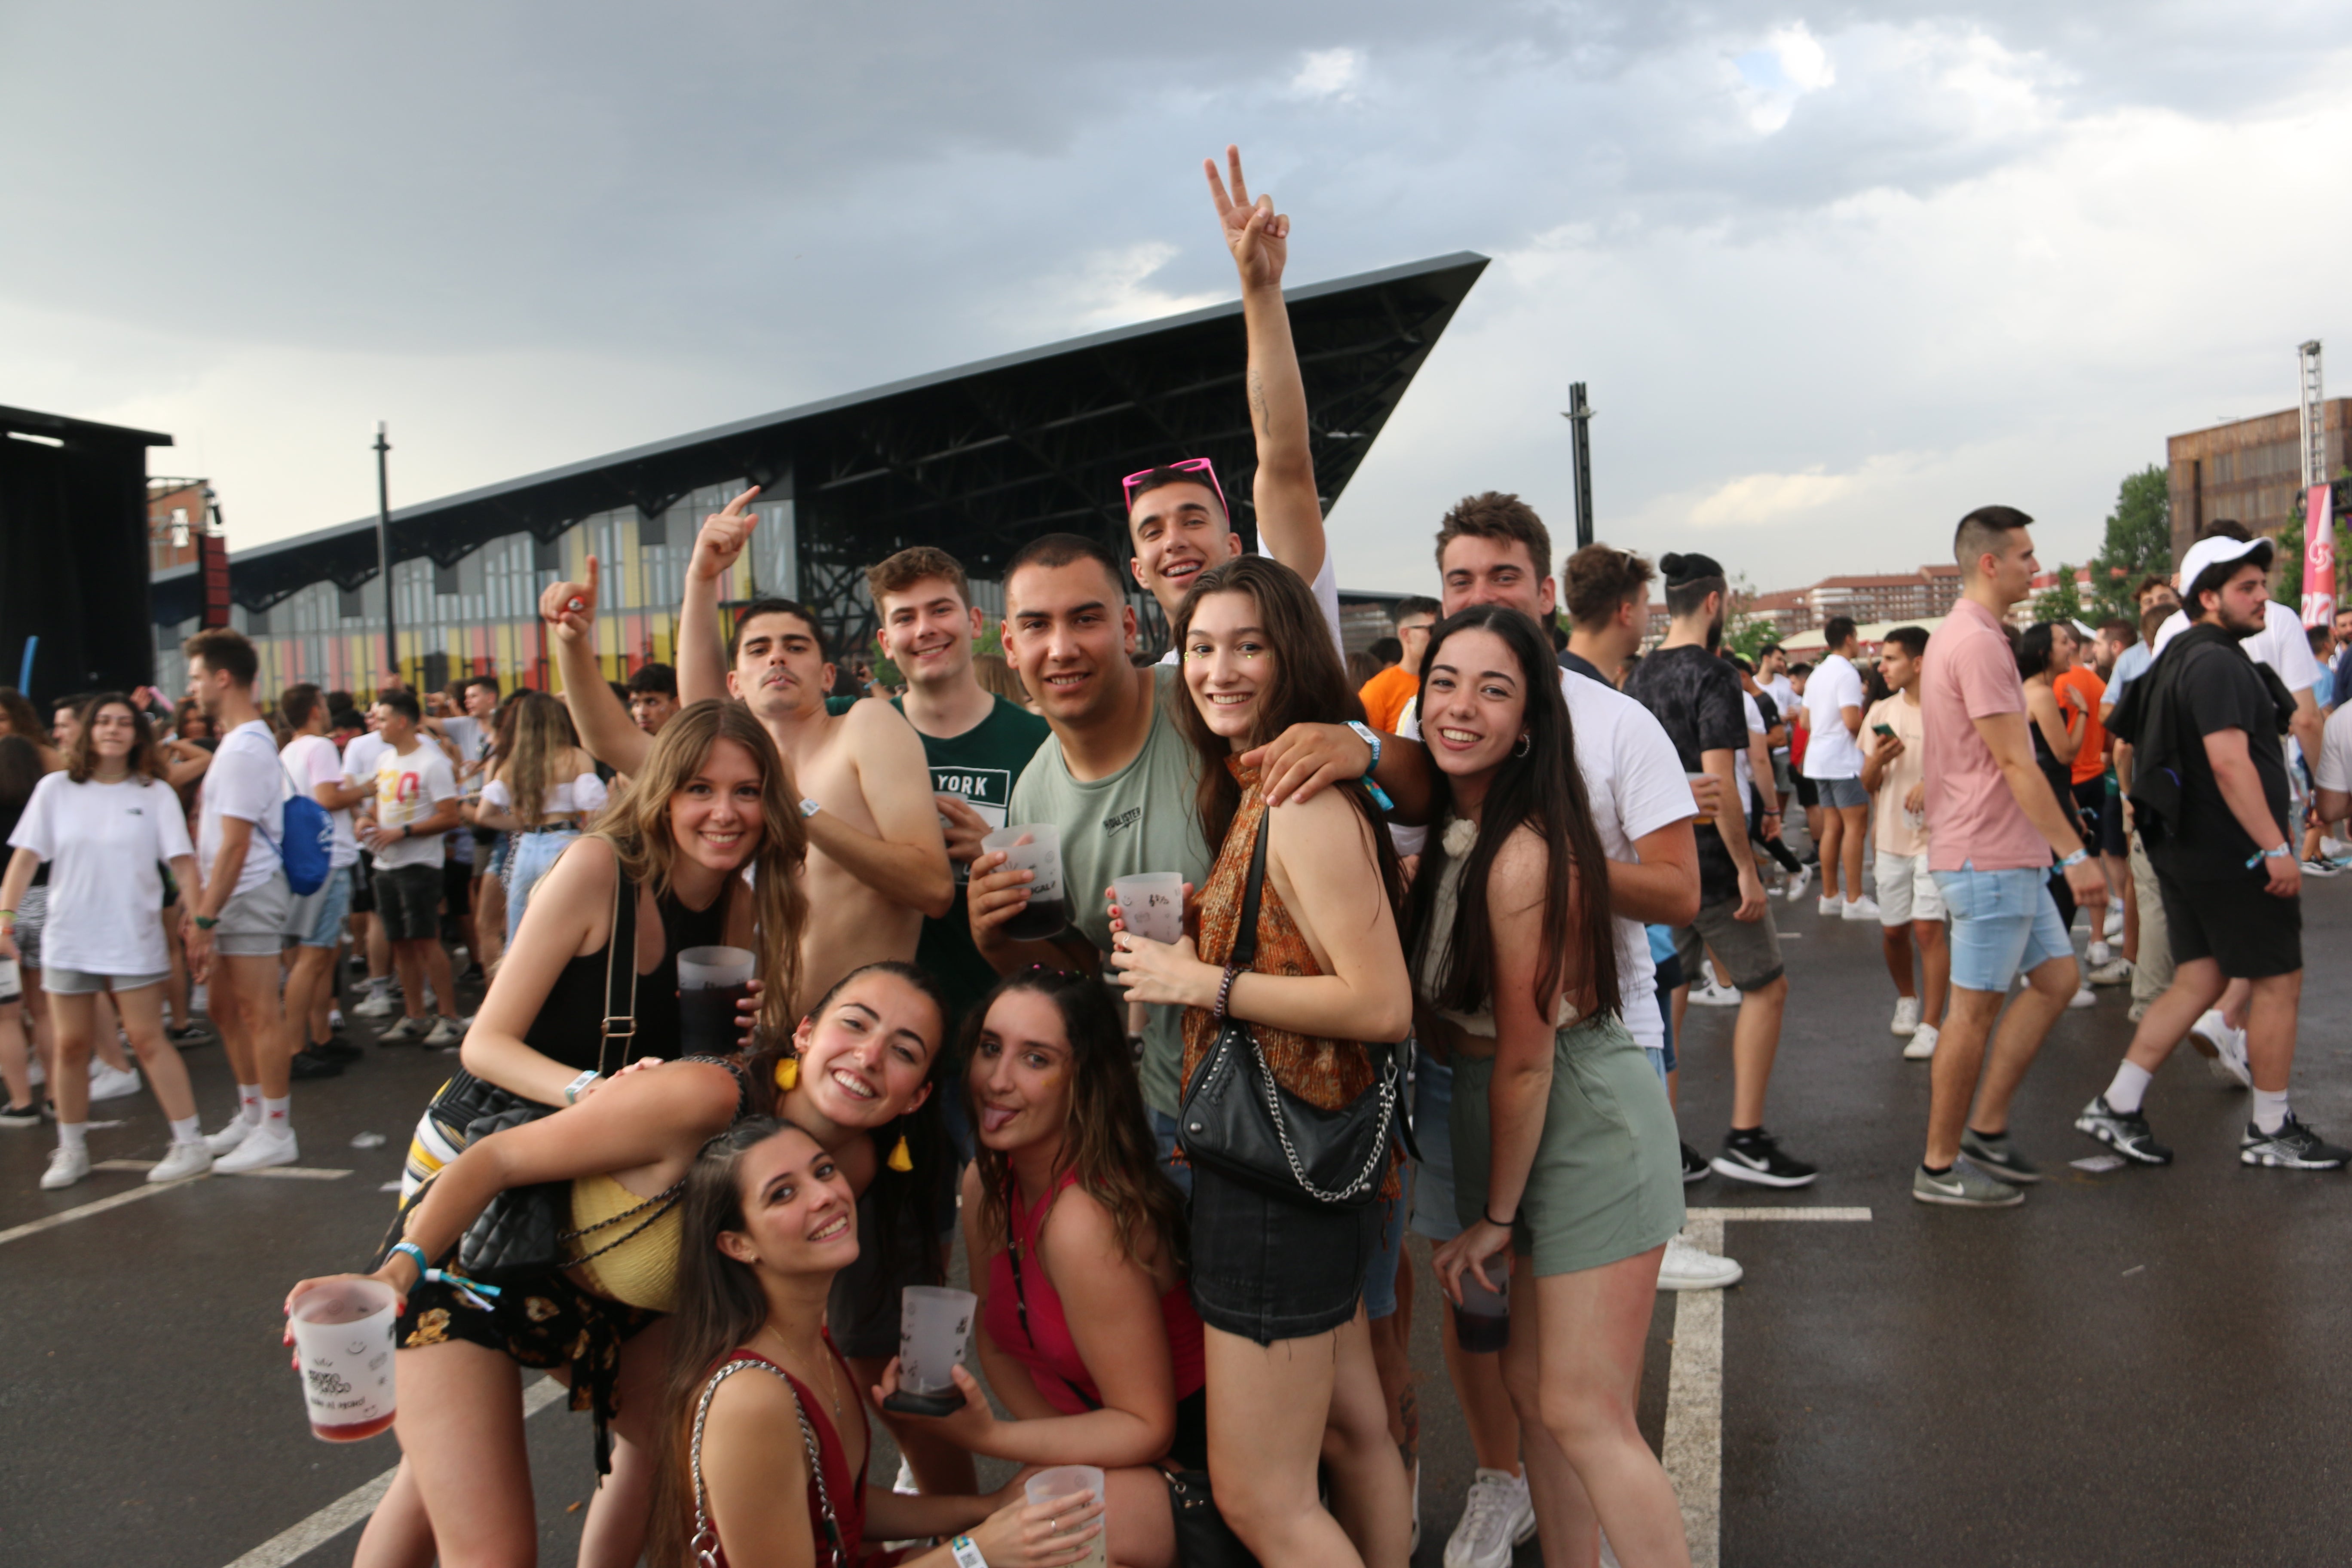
[(570, 1022)]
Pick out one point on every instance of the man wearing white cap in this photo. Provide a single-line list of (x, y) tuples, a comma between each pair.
[(2210, 792)]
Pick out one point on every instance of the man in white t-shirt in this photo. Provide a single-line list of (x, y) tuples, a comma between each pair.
[(360, 754), (314, 766), (1833, 761), (416, 804), (236, 929)]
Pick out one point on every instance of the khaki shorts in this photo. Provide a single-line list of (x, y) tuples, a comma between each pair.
[(1906, 891), (1747, 952)]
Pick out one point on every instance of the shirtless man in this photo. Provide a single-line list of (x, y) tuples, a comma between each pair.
[(878, 862)]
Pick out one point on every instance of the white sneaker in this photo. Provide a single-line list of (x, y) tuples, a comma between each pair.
[(263, 1148), (444, 1034), (1799, 881), (1922, 1043), (334, 1017), (1689, 1268), (2228, 1046), (237, 1131), (1712, 995), (2098, 953), (184, 1160), (2114, 929), (1863, 909), (379, 1005), (1907, 1016), (2116, 971), (2083, 998), (1496, 1516), (67, 1166), (107, 1083), (1831, 904)]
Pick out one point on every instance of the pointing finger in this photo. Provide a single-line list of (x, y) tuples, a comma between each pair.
[(591, 575)]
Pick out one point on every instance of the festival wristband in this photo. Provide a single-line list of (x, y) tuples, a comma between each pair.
[(206, 923), (2079, 855), (1371, 737), (579, 1086), (967, 1556), (415, 1254), (809, 807), (2278, 852)]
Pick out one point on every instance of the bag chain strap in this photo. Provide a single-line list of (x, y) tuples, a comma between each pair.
[(704, 1542)]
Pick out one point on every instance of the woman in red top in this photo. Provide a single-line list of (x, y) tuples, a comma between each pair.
[(769, 1220), (1076, 1238)]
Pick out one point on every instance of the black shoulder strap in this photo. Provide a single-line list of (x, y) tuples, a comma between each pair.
[(620, 975), (1246, 937)]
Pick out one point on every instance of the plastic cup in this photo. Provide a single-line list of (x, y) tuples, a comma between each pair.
[(711, 981), (1034, 847), (342, 1339), (1482, 1324), (1151, 904), (1067, 1480), (933, 1323)]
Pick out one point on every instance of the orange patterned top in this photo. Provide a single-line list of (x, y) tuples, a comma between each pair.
[(1323, 1072)]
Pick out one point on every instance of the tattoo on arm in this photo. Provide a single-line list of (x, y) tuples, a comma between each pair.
[(1257, 398)]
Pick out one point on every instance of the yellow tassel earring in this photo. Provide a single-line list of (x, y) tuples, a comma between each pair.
[(788, 1074), (901, 1160)]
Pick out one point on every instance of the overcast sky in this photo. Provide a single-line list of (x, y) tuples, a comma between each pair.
[(1834, 274)]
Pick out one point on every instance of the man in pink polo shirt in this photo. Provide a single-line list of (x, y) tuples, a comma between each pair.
[(1993, 825)]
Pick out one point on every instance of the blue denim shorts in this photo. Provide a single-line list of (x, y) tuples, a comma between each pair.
[(1380, 1277), (2004, 924), (317, 920), (1433, 1179)]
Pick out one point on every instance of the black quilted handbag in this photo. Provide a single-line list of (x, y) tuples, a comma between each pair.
[(523, 1229), (1239, 1123)]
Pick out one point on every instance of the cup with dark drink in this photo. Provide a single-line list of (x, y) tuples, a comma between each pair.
[(710, 982), (1482, 1324), (342, 1343), (1037, 850)]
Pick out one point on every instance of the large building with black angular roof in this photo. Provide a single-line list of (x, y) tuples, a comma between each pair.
[(974, 460)]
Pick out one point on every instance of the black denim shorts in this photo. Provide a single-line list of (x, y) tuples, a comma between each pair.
[(1266, 1270)]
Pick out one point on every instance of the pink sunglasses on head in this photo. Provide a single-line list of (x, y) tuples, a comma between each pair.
[(1201, 466)]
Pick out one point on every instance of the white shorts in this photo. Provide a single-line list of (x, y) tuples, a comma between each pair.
[(1906, 891)]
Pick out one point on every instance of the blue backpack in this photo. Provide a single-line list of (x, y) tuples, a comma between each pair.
[(308, 847)]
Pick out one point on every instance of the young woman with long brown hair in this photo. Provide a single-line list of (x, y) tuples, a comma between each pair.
[(1074, 1241), (772, 1457), (104, 825), (1278, 1283), (1565, 1151), (542, 787)]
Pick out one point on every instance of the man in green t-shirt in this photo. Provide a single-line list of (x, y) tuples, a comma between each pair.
[(976, 741)]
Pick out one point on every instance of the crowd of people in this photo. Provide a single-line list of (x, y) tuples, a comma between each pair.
[(1443, 915)]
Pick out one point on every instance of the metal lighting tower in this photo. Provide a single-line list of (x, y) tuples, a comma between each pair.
[(1578, 416), (2315, 431), (383, 550)]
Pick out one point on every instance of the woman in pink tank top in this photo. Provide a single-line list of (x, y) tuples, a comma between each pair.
[(1075, 1241)]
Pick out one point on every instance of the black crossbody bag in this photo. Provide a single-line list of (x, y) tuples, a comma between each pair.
[(1239, 1123)]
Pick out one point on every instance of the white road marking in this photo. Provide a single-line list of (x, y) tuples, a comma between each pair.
[(67, 1216), (282, 1172), (359, 1502), (1693, 1445)]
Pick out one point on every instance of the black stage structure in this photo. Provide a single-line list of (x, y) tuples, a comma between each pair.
[(974, 460), (73, 555)]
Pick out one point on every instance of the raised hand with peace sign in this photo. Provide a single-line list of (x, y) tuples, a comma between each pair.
[(1258, 236)]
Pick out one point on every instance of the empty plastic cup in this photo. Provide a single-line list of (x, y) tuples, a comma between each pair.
[(933, 1323), (711, 981), (1151, 903), (1482, 1324), (1036, 848), (1067, 1480), (342, 1339)]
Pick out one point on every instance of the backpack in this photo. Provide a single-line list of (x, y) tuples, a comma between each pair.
[(307, 850)]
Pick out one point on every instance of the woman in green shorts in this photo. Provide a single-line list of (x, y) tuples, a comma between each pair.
[(1564, 1147)]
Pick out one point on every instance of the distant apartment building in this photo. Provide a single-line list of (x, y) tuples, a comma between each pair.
[(2248, 470), (1867, 598)]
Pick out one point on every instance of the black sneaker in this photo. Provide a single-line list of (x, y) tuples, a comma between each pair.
[(1695, 1166), (2293, 1147), (188, 1037), (1755, 1156), (1991, 1152), (336, 1049), (309, 1063), (2126, 1135), (25, 1115)]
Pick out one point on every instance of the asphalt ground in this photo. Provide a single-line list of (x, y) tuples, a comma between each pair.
[(2131, 1366)]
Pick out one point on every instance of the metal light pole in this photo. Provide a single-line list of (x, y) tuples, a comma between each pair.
[(1579, 418), (383, 550)]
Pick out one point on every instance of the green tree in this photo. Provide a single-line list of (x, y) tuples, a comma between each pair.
[(1743, 631), (2138, 544), (2061, 601)]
